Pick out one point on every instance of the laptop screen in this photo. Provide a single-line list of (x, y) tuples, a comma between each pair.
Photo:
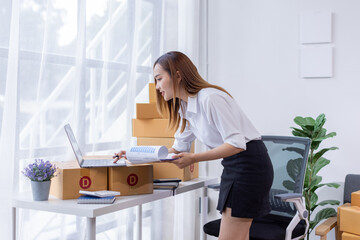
[(73, 143)]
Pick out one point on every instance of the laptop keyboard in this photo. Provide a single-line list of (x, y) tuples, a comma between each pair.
[(102, 162)]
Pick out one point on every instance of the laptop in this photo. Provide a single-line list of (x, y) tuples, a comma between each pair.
[(95, 161)]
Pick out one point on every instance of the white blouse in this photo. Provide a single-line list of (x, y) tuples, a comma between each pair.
[(214, 118)]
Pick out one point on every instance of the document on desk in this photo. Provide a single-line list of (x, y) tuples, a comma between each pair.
[(145, 154)]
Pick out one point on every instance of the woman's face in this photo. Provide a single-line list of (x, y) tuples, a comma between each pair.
[(164, 83)]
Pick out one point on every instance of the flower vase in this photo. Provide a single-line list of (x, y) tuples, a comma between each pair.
[(40, 190)]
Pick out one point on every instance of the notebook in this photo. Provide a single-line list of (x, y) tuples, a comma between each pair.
[(95, 161), (96, 200), (101, 193)]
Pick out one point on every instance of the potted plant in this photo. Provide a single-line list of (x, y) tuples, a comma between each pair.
[(313, 129), (40, 174)]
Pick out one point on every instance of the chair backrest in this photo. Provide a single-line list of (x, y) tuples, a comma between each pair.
[(352, 184), (289, 156)]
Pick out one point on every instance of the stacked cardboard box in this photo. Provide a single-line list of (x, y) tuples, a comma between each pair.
[(128, 180), (151, 128), (349, 218)]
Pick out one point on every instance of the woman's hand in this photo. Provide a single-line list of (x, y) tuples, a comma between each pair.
[(119, 155), (183, 160)]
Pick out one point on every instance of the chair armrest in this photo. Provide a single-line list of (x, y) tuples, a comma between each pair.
[(215, 186), (298, 200), (288, 196), (326, 226)]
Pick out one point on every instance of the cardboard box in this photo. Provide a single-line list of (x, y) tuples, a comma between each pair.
[(349, 236), (338, 233), (149, 141), (70, 178), (152, 93), (355, 199), (350, 219), (132, 179), (169, 170), (152, 128), (147, 111)]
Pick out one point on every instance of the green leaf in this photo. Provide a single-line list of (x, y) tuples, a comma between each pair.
[(333, 185), (308, 128), (313, 200), (319, 134), (319, 131), (332, 134), (322, 152), (300, 133), (304, 121), (331, 202), (315, 144), (307, 177), (323, 214), (320, 121), (315, 181), (289, 185), (319, 164)]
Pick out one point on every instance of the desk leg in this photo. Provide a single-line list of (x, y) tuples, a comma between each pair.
[(139, 222), (204, 211), (90, 228), (13, 219)]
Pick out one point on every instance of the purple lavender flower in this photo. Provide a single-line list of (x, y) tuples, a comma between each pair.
[(40, 171)]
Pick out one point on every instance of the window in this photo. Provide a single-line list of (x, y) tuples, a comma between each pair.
[(82, 62)]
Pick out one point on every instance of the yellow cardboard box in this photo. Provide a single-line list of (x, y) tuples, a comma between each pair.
[(350, 219), (152, 128), (152, 93), (147, 111), (70, 178), (355, 199), (169, 170), (150, 141), (349, 236), (132, 179)]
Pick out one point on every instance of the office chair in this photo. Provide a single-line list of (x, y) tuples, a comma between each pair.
[(352, 184), (288, 217)]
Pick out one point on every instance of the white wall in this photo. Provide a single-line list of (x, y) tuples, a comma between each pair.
[(254, 54)]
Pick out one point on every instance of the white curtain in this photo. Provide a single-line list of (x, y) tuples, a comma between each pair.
[(85, 62)]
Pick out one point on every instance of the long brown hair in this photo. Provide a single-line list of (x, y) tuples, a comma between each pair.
[(191, 81)]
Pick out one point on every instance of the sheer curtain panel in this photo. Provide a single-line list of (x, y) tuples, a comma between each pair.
[(80, 62), (87, 63)]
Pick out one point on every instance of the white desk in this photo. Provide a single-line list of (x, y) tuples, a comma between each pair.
[(91, 211)]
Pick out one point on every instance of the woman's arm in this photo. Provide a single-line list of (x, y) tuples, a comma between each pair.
[(222, 151)]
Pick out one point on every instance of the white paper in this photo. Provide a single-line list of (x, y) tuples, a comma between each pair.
[(144, 154)]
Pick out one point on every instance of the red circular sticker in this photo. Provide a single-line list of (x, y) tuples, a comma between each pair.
[(192, 167), (132, 179), (85, 182)]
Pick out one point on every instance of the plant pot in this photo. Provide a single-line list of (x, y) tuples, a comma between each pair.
[(40, 190)]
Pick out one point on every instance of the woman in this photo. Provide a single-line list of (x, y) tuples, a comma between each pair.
[(207, 112)]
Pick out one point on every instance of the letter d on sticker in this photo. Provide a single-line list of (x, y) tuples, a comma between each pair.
[(132, 179), (85, 182)]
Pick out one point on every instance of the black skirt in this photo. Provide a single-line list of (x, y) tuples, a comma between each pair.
[(246, 181)]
